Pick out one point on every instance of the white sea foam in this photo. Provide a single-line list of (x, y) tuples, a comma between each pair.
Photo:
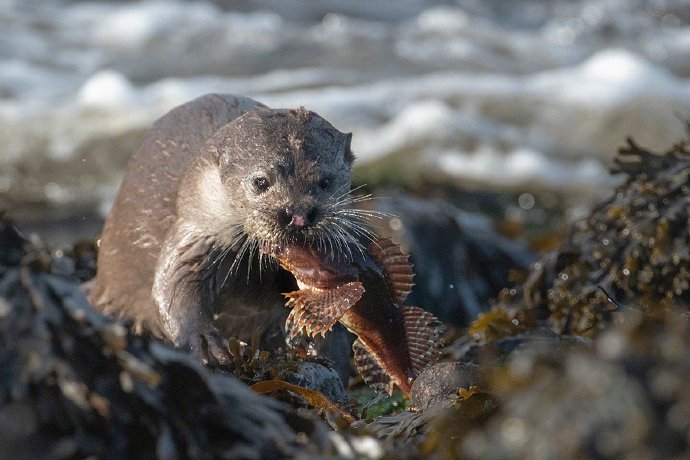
[(107, 89), (539, 95)]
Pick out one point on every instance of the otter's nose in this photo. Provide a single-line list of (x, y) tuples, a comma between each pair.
[(300, 218)]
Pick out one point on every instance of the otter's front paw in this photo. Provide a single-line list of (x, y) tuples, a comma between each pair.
[(210, 347)]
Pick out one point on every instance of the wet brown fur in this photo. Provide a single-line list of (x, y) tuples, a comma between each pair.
[(172, 255)]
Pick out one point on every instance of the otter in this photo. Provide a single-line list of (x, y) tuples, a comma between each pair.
[(215, 180)]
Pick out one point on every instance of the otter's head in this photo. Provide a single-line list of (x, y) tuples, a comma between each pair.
[(286, 176)]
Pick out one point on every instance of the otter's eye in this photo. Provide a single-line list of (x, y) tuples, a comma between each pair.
[(326, 183), (261, 184)]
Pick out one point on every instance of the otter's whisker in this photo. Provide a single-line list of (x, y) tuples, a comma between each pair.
[(340, 239), (331, 243), (350, 198), (365, 213), (357, 229), (353, 220), (348, 236), (240, 255), (344, 190), (265, 261), (235, 263), (250, 259)]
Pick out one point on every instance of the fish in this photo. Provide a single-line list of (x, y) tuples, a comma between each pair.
[(364, 290)]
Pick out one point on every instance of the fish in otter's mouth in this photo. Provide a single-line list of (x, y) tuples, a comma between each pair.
[(364, 291)]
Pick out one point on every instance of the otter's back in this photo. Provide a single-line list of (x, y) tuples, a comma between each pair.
[(144, 208)]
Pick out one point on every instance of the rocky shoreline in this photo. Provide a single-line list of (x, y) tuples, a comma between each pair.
[(588, 357)]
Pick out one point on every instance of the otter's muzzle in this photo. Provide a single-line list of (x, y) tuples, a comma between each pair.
[(299, 218)]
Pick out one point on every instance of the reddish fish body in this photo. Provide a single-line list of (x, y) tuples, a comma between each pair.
[(394, 343), (382, 333)]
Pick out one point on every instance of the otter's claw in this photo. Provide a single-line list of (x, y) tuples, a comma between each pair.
[(211, 348)]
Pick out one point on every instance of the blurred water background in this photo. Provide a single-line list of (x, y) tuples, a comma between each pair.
[(526, 95)]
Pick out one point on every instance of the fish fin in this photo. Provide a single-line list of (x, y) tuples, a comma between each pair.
[(370, 370), (422, 337), (316, 310), (396, 265)]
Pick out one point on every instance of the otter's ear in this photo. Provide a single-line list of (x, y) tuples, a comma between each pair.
[(349, 156)]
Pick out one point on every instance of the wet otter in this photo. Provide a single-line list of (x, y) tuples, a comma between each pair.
[(213, 181)]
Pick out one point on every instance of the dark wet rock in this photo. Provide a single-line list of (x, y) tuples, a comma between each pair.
[(440, 383), (460, 260), (82, 385), (434, 432), (540, 342), (492, 351), (316, 376), (495, 336), (404, 426)]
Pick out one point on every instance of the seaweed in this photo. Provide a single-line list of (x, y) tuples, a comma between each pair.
[(249, 361), (76, 384), (339, 418), (621, 278), (589, 357), (634, 245)]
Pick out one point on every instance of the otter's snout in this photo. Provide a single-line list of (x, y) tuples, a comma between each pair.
[(299, 218)]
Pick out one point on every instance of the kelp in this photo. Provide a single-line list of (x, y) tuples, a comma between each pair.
[(249, 361), (494, 325), (340, 418), (252, 365)]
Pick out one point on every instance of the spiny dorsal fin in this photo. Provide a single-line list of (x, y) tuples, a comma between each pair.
[(396, 265), (316, 310), (370, 370), (422, 338)]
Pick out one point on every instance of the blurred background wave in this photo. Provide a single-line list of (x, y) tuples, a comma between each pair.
[(528, 95)]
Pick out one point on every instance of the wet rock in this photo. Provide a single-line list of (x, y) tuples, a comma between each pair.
[(81, 385), (440, 383), (492, 351), (460, 260), (405, 426), (317, 377)]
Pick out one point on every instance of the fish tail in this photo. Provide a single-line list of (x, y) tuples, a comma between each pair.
[(422, 337), (371, 371), (422, 347)]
